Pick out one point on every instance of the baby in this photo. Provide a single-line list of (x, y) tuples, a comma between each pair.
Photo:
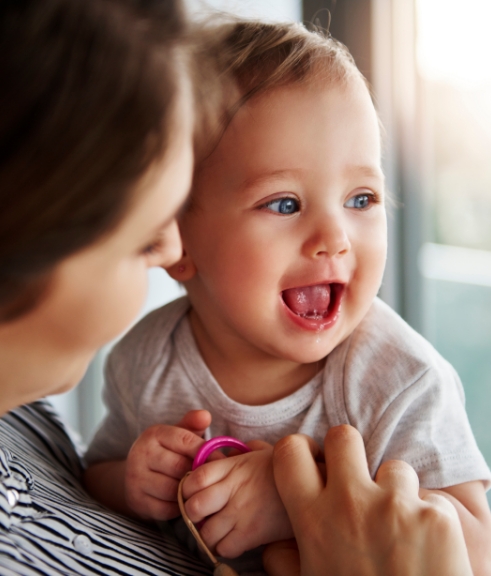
[(284, 247)]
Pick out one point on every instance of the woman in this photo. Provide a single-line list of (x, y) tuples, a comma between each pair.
[(95, 160)]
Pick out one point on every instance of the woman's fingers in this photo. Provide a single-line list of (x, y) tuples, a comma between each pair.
[(345, 456), (396, 475), (443, 504), (282, 559), (296, 474)]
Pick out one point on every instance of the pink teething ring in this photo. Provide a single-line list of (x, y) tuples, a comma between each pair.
[(215, 443)]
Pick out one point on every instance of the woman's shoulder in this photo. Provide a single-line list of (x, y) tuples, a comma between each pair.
[(36, 432)]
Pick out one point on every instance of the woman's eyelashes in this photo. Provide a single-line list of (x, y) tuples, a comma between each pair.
[(152, 248), (285, 205)]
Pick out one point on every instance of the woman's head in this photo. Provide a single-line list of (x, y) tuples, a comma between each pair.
[(96, 134), (88, 90)]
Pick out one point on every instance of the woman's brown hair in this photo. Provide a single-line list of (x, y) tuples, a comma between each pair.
[(87, 89)]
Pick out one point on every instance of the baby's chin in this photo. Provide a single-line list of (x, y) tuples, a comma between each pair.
[(311, 352)]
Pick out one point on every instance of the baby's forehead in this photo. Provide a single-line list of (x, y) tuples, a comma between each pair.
[(281, 106), (279, 140)]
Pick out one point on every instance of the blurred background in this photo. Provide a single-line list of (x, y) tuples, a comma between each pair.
[(429, 65)]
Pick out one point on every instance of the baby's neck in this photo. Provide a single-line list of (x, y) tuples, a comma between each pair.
[(247, 375)]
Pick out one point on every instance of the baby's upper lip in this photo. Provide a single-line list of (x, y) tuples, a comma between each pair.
[(322, 282)]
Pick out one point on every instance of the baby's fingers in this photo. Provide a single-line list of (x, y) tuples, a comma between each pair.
[(177, 440), (170, 464), (153, 497), (195, 421), (217, 532), (207, 475), (159, 486), (207, 502), (150, 508)]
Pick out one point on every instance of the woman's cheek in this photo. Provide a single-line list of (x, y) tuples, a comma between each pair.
[(120, 304)]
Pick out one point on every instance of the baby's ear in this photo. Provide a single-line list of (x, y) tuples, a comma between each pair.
[(183, 270)]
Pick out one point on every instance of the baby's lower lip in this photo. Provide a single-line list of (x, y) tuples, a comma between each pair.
[(321, 312)]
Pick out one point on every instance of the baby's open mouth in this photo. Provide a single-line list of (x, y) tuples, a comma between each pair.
[(313, 302)]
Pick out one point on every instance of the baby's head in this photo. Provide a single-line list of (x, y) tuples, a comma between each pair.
[(285, 237)]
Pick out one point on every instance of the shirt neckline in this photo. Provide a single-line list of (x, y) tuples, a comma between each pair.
[(207, 387)]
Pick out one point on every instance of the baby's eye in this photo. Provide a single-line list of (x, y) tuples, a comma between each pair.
[(283, 205), (360, 201)]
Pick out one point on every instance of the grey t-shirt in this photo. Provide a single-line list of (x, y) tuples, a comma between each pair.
[(384, 379)]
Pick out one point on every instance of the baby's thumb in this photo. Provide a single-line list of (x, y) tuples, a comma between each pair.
[(196, 421)]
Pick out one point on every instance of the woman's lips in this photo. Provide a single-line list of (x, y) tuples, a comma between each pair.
[(314, 307)]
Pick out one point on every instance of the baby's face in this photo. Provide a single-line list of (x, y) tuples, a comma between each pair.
[(288, 233)]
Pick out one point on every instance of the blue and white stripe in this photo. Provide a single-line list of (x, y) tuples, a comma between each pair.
[(49, 525)]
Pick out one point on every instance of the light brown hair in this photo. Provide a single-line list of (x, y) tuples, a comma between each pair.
[(252, 57)]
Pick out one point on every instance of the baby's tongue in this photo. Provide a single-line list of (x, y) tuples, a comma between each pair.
[(308, 301)]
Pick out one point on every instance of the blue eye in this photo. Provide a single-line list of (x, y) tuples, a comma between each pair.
[(284, 205), (360, 201)]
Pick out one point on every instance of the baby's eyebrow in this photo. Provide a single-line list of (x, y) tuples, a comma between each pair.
[(270, 176), (365, 170)]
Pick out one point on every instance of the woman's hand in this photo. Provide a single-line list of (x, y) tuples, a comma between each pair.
[(352, 525)]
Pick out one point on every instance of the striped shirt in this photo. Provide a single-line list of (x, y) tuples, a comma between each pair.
[(49, 525)]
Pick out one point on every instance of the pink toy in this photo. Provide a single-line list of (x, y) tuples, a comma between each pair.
[(216, 443)]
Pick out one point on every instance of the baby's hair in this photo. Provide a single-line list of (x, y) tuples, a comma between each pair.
[(253, 57)]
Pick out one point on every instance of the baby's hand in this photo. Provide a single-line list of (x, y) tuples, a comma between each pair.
[(158, 460), (241, 494)]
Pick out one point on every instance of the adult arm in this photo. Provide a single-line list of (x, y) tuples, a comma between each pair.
[(352, 525), (469, 499)]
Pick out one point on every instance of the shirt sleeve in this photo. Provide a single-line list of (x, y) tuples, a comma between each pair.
[(427, 426), (406, 400)]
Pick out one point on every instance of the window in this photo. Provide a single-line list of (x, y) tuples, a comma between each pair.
[(454, 63)]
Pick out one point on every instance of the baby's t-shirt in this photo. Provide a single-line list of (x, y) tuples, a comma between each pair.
[(384, 379)]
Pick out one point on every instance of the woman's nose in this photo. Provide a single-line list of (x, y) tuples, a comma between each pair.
[(328, 238), (171, 245)]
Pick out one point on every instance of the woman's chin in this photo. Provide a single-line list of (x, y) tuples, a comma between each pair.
[(72, 377)]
